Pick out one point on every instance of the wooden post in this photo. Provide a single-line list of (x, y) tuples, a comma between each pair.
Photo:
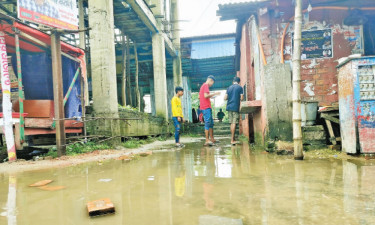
[(58, 93), (20, 90), (297, 129), (83, 106), (124, 69), (137, 77)]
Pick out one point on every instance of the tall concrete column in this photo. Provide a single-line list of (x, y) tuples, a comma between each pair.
[(103, 58), (103, 67), (177, 64), (160, 75), (82, 44)]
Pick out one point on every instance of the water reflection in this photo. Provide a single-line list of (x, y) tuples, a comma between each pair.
[(216, 185), (10, 209)]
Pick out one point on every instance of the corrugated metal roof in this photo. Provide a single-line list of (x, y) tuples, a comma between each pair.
[(213, 48), (234, 2)]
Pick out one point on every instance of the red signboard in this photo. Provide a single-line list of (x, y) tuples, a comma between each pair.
[(54, 13)]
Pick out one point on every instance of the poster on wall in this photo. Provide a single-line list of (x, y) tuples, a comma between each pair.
[(54, 13), (317, 44)]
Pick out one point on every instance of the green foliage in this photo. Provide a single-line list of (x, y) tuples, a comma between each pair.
[(79, 148), (51, 153), (195, 104), (133, 143), (243, 138), (195, 100), (125, 108), (191, 135)]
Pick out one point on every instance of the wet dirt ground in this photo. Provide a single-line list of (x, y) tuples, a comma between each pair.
[(197, 185)]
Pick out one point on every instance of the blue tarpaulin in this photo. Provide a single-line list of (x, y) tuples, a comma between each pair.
[(37, 80)]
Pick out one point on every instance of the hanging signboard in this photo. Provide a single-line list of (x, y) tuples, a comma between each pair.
[(54, 13), (316, 44), (7, 122)]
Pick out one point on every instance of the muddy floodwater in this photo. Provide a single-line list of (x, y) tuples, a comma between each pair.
[(197, 185)]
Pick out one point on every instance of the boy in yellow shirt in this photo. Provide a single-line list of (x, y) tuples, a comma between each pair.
[(177, 114)]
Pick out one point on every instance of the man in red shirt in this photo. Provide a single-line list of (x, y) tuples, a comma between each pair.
[(205, 106)]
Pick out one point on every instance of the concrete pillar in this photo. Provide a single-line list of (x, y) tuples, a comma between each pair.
[(103, 58), (103, 67), (177, 63), (170, 93), (82, 44), (160, 75), (186, 99), (152, 96)]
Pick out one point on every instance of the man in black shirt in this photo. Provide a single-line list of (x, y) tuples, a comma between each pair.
[(234, 96)]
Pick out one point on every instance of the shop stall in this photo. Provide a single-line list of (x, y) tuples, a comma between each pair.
[(30, 72)]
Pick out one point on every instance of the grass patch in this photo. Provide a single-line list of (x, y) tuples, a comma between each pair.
[(133, 143), (192, 135), (243, 138)]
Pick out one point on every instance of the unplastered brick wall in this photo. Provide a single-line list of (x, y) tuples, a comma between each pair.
[(319, 75)]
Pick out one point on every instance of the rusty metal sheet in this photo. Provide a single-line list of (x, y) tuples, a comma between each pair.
[(37, 108), (347, 108)]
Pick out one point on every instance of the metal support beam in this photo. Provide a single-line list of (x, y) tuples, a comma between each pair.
[(148, 18)]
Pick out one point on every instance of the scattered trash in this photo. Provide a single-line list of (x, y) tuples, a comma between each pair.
[(105, 180), (51, 188), (215, 220), (335, 156), (125, 157), (37, 158), (40, 183), (100, 207), (144, 154), (151, 178)]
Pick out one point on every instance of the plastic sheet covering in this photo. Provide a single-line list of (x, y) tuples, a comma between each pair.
[(38, 84)]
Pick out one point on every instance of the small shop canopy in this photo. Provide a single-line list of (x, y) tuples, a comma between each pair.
[(31, 39)]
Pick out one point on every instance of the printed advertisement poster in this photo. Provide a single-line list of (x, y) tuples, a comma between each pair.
[(54, 13)]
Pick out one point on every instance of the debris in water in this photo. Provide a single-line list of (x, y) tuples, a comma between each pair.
[(52, 188), (100, 207), (144, 154), (217, 220), (125, 157), (40, 183), (105, 180)]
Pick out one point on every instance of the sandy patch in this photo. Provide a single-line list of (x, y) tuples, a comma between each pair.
[(101, 155)]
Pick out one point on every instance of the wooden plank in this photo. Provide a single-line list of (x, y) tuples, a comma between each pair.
[(58, 93), (330, 118), (33, 131), (250, 106), (331, 133)]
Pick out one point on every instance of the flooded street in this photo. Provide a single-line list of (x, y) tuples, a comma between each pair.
[(197, 185)]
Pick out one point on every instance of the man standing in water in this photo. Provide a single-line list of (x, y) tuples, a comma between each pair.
[(205, 105), (178, 116), (234, 96)]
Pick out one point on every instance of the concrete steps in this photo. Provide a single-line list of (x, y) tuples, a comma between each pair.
[(220, 129)]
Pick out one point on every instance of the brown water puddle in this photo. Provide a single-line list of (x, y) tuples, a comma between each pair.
[(205, 186)]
